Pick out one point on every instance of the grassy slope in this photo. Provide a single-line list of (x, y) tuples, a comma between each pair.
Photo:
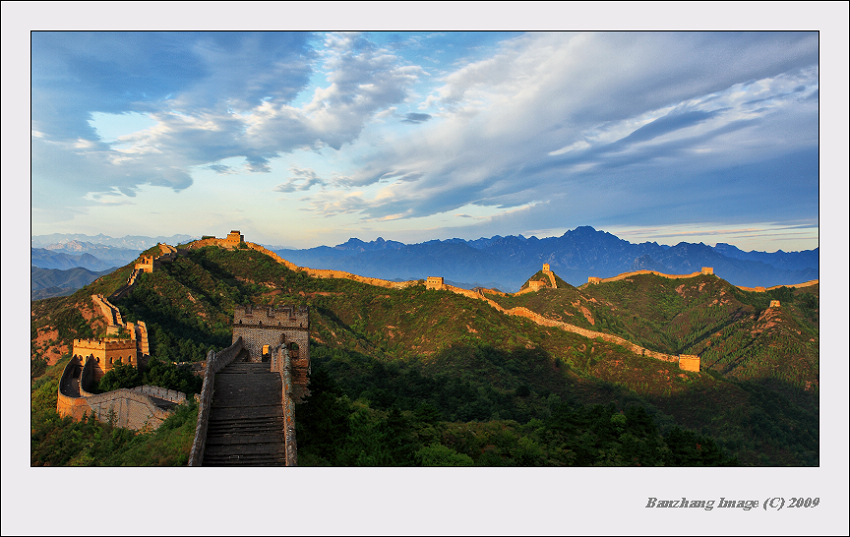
[(404, 348), (732, 330)]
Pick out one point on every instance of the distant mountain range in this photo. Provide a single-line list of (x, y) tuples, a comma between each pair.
[(72, 241), (54, 282), (62, 263), (97, 253), (505, 262), (497, 262)]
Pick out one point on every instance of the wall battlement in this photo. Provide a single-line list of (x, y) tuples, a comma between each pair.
[(105, 344), (282, 317)]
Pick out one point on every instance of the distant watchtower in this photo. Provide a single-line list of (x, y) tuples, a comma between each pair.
[(234, 238), (434, 282)]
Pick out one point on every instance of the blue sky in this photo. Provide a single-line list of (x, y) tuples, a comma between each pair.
[(301, 139)]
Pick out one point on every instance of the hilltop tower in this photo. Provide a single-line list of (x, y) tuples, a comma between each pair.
[(234, 238), (689, 362), (434, 282)]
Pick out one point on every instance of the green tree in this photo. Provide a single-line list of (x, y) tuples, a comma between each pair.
[(120, 376)]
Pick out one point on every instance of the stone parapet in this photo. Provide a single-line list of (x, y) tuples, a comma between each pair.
[(281, 363), (216, 361)]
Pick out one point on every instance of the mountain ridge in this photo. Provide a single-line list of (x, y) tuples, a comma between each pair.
[(575, 255)]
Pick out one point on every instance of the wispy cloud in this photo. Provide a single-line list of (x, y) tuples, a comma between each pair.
[(301, 180)]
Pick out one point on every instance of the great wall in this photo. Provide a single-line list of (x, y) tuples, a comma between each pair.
[(141, 408), (246, 412), (688, 362)]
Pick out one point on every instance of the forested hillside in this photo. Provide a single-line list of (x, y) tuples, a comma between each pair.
[(416, 376)]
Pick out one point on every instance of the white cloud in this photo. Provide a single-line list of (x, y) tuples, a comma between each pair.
[(545, 118), (553, 113)]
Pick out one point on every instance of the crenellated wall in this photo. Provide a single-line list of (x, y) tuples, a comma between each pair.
[(141, 408), (115, 325)]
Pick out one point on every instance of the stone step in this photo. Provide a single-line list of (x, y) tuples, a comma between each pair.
[(245, 438), (248, 384), (222, 451), (245, 410), (244, 460), (246, 426), (265, 448), (246, 368)]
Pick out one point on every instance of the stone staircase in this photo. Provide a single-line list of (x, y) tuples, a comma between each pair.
[(246, 424)]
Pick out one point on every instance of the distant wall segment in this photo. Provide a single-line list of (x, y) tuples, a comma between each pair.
[(704, 271), (593, 280), (315, 273), (764, 289)]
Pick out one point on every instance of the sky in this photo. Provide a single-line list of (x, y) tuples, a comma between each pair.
[(300, 139)]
